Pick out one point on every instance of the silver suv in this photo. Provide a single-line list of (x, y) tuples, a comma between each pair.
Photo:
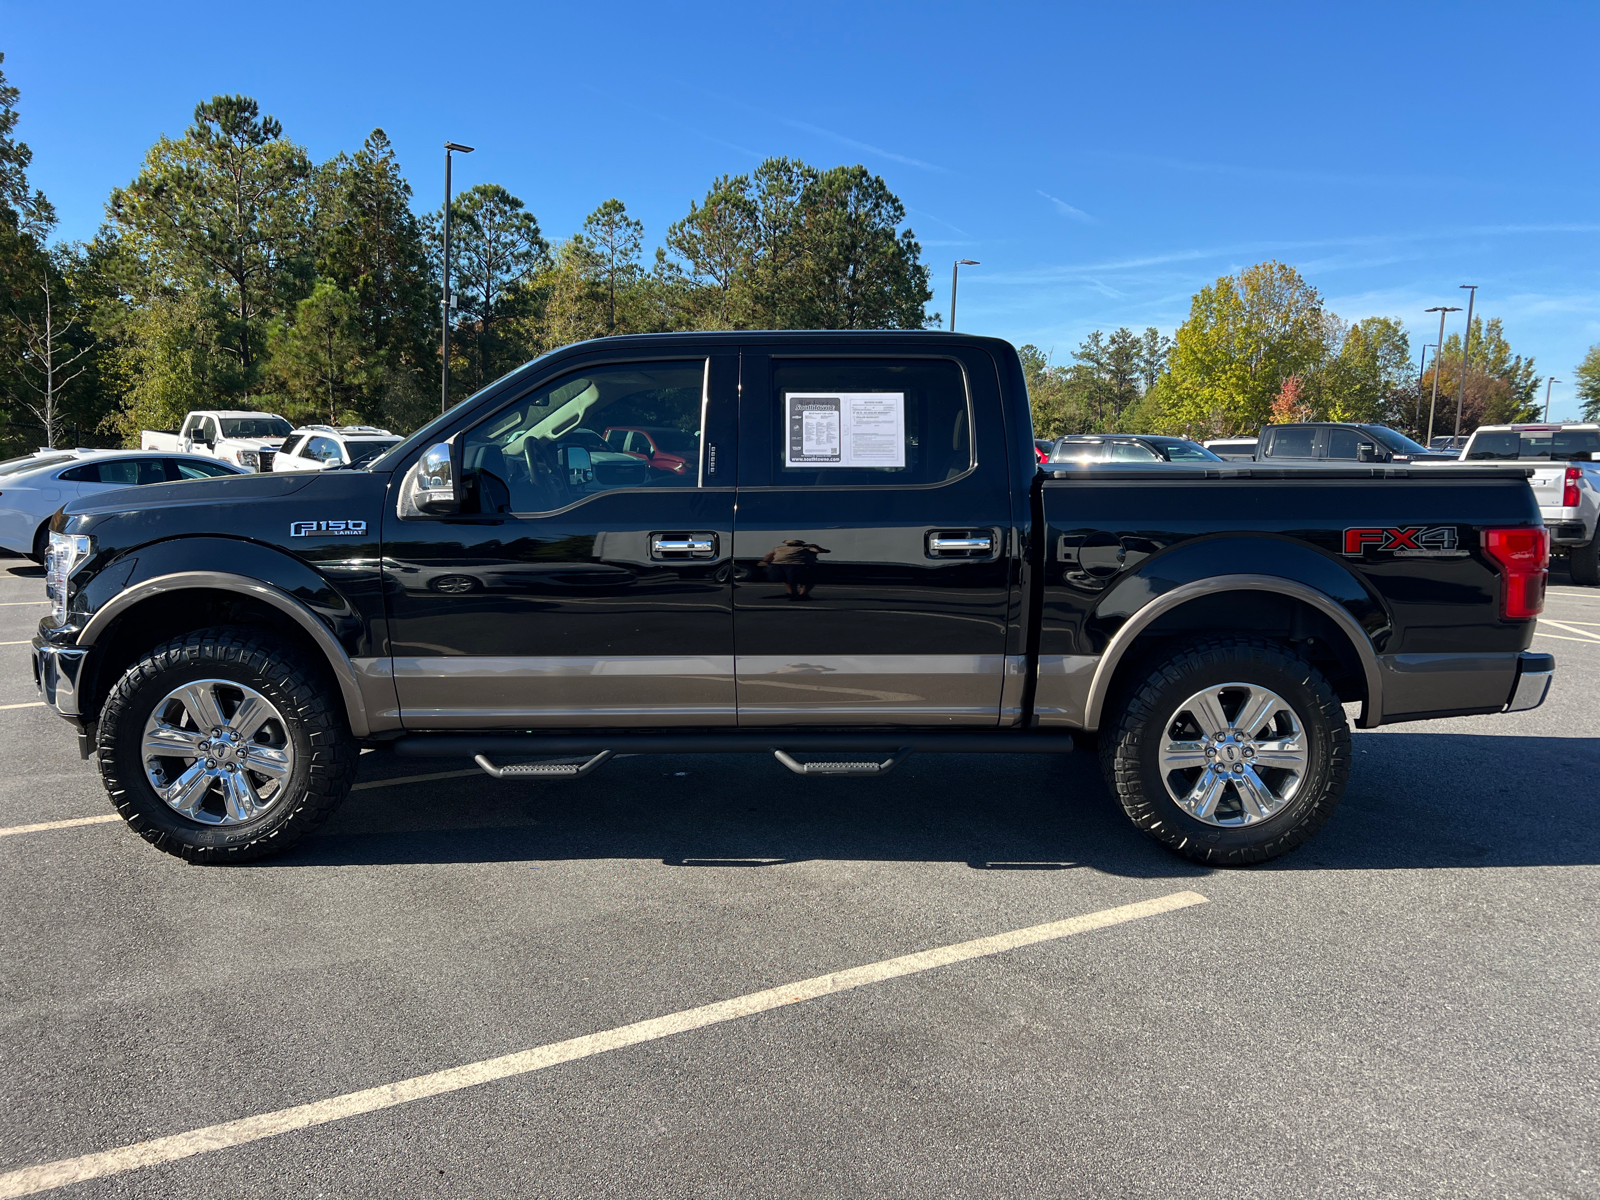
[(1566, 482)]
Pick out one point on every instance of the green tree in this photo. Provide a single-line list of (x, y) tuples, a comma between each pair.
[(1365, 374), (1502, 387), (22, 209), (1587, 374), (318, 354), (371, 245), (496, 249), (225, 207), (1245, 335), (717, 241), (614, 238)]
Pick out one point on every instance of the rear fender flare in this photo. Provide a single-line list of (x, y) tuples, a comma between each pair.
[(1123, 639)]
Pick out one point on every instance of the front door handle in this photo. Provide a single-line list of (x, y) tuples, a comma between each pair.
[(969, 544), (668, 546)]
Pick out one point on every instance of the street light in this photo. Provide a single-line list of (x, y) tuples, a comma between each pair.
[(1547, 384), (444, 378), (1466, 341), (955, 278), (1437, 351), (1422, 373)]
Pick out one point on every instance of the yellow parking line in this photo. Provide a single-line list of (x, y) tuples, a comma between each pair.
[(44, 825), (23, 642), (29, 704), (45, 1176)]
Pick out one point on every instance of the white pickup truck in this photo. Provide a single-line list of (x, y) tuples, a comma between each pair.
[(246, 439), (1566, 483)]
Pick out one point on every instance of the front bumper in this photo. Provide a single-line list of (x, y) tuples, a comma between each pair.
[(56, 670), (1534, 673)]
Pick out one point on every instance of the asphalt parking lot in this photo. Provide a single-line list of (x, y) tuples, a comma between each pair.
[(1407, 1006)]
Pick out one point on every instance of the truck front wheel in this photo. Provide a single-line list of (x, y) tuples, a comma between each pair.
[(224, 746), (1231, 751)]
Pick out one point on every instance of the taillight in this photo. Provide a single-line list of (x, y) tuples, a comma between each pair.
[(1569, 488), (1524, 558)]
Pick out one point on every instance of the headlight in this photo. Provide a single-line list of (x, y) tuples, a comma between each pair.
[(66, 554), (248, 458)]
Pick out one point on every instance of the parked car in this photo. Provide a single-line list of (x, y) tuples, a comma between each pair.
[(246, 439), (1565, 479), (1232, 448), (1043, 447), (225, 648), (1127, 447), (1331, 443), (1450, 443), (33, 487), (672, 450), (318, 447)]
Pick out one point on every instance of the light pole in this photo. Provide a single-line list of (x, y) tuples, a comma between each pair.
[(1466, 341), (955, 278), (444, 308), (1422, 373), (1437, 351), (1547, 384)]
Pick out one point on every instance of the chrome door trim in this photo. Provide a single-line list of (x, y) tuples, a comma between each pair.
[(882, 689), (495, 692)]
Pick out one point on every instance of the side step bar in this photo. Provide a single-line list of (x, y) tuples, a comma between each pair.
[(734, 741), (542, 770), (843, 768)]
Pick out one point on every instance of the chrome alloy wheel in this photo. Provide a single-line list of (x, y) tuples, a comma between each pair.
[(217, 752), (1233, 754)]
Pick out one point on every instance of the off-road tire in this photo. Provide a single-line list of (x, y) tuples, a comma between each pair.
[(1130, 741), (325, 753), (1583, 562)]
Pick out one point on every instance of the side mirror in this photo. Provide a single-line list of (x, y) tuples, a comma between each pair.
[(433, 482), (578, 465)]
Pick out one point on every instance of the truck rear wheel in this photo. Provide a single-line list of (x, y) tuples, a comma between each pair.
[(1583, 562), (1231, 751), (224, 746)]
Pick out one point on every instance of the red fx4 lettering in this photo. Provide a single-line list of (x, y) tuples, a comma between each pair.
[(1419, 538)]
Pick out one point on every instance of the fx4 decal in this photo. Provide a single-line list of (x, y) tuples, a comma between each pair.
[(327, 529), (1409, 541)]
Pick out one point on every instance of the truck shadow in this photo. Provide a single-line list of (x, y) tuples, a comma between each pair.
[(1414, 801)]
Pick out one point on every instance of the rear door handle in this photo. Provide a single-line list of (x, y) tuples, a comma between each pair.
[(683, 545), (968, 543)]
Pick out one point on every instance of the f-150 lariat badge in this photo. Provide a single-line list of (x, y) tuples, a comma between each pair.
[(327, 529), (1410, 541)]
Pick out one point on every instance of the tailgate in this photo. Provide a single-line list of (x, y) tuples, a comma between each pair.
[(1547, 483)]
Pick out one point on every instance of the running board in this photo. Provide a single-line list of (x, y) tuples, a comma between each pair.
[(542, 770), (844, 768)]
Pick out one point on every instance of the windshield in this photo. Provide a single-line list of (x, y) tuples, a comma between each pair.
[(1180, 450), (255, 427), (1394, 440), (33, 462), (1553, 445), (365, 450)]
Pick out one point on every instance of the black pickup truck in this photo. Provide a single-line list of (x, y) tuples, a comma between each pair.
[(793, 543)]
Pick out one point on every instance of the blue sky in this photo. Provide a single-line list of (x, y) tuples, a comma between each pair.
[(1103, 161)]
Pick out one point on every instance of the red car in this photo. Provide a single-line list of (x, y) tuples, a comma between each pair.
[(670, 450)]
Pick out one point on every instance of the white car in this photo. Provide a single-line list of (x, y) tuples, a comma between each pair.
[(318, 447), (33, 487)]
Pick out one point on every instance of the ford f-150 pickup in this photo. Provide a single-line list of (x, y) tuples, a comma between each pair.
[(865, 560)]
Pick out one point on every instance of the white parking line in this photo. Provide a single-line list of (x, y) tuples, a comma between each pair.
[(44, 825), (29, 704), (29, 1180), (1582, 633), (1559, 638), (377, 783), (20, 603)]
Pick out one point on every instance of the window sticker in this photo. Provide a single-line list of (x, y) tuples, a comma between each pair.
[(845, 429)]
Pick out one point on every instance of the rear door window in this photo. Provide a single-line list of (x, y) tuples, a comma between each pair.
[(870, 422), (1293, 441)]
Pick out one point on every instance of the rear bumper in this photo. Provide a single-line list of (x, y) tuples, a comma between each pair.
[(1534, 673), (1568, 526)]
